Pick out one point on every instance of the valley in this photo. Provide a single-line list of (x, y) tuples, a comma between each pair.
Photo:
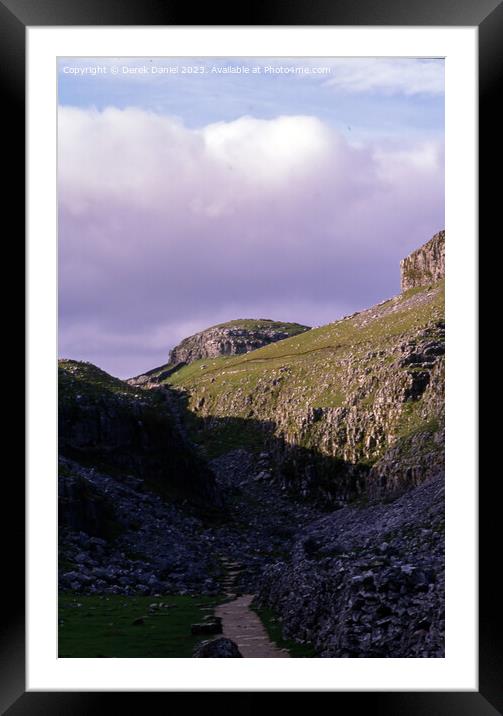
[(280, 484)]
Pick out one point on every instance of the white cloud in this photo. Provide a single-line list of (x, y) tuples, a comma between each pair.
[(388, 76), (268, 151), (422, 158), (164, 228), (155, 163)]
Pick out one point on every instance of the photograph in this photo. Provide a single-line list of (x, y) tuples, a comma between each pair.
[(251, 332)]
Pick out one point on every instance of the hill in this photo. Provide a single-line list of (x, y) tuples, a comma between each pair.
[(353, 408), (225, 339)]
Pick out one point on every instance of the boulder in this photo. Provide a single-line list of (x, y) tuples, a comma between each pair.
[(217, 648)]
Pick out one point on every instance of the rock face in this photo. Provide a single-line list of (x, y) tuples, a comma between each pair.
[(367, 582), (218, 648), (233, 338), (424, 266), (106, 423)]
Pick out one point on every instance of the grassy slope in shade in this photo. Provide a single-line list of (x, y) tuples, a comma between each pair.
[(102, 626), (92, 381)]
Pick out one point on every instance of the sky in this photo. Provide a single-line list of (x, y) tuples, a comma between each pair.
[(194, 191)]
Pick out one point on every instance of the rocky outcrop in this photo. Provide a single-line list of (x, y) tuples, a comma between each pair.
[(107, 424), (426, 265), (367, 582), (232, 338)]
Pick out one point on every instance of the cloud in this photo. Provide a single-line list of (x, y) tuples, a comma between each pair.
[(164, 230), (388, 76)]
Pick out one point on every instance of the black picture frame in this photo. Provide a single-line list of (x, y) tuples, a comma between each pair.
[(15, 17)]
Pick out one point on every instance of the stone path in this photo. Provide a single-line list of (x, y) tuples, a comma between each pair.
[(242, 625)]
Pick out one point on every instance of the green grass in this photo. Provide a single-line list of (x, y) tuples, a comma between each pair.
[(248, 324), (313, 369), (309, 354), (411, 422), (274, 630), (102, 626)]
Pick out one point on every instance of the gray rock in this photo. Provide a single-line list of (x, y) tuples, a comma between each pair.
[(373, 600), (233, 338), (426, 265), (217, 648)]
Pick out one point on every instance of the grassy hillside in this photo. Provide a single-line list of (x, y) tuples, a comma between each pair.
[(351, 390), (230, 338), (376, 327)]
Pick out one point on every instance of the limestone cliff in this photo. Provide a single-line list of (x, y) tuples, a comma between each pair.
[(233, 338), (424, 266)]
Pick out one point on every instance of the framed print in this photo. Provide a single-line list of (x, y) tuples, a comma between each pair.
[(252, 258)]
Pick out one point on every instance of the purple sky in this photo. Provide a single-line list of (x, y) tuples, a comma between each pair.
[(167, 226)]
